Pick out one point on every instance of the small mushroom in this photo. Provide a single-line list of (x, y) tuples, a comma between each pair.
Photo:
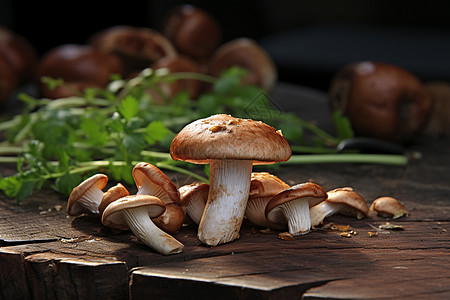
[(263, 186), (247, 54), (112, 194), (193, 199), (150, 180), (86, 197), (291, 207), (388, 207), (134, 213), (230, 146), (341, 200)]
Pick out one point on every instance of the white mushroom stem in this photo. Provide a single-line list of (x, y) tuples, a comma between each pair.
[(322, 210), (91, 199), (227, 199), (297, 214), (147, 232)]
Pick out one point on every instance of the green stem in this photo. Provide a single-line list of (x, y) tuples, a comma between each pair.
[(389, 159)]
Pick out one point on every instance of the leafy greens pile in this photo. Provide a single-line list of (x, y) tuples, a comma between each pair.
[(109, 130)]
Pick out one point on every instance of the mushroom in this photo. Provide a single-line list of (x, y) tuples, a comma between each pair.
[(439, 123), (192, 31), (247, 54), (230, 146), (137, 47), (291, 207), (80, 66), (86, 197), (381, 100), (134, 212), (263, 186), (176, 64), (9, 79), (388, 207), (341, 200), (193, 199), (112, 194), (19, 52), (150, 180)]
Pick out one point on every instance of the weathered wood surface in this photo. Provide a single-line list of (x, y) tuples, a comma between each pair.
[(90, 261)]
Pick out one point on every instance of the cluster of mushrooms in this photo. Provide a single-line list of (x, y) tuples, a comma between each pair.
[(231, 146), (190, 40)]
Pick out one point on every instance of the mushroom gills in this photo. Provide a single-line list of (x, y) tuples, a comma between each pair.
[(91, 199), (227, 199), (146, 231), (297, 215), (153, 189)]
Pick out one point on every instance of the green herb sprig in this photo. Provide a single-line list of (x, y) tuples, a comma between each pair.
[(59, 142)]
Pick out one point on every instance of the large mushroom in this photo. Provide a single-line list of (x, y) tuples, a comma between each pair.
[(230, 146), (263, 187), (134, 213), (341, 200), (291, 207), (86, 197)]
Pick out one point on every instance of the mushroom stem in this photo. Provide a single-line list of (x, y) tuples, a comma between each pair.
[(147, 232), (297, 214), (227, 200), (322, 210)]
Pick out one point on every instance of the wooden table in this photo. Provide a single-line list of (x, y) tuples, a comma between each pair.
[(89, 261)]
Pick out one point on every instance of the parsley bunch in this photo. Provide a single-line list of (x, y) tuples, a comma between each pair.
[(60, 142)]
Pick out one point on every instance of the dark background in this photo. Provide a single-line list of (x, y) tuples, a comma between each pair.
[(47, 24)]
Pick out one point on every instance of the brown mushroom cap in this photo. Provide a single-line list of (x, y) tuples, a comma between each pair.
[(171, 220), (137, 47), (80, 66), (112, 194), (388, 206), (112, 216), (153, 181), (225, 137), (176, 64), (354, 201), (381, 100), (249, 55), (193, 199), (192, 31), (314, 193), (88, 190)]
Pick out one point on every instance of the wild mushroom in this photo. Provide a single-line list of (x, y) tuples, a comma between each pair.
[(112, 194), (388, 207), (341, 200), (86, 197), (150, 180), (80, 66), (247, 54), (263, 187), (193, 199), (381, 100), (230, 146), (192, 31), (291, 207), (134, 212)]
